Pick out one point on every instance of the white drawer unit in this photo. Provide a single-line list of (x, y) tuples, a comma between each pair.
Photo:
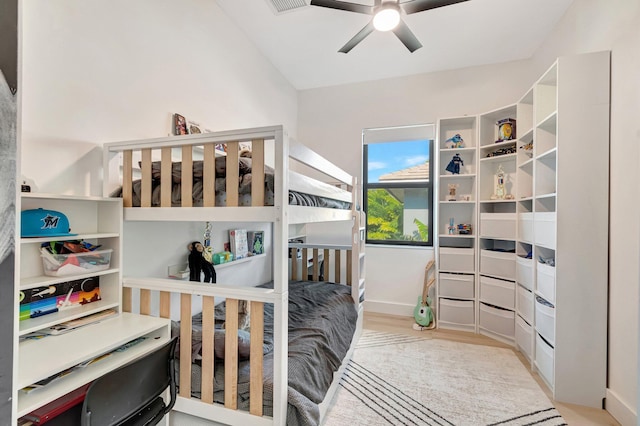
[(498, 225), (499, 321), (524, 336), (524, 272), (546, 320), (525, 227), (454, 259), (545, 359), (498, 264), (546, 281), (459, 312), (545, 229), (525, 304), (456, 286), (498, 292)]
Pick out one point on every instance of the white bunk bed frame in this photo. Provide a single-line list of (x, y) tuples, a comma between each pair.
[(118, 162)]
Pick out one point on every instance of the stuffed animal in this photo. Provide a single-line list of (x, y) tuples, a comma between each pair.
[(455, 141), (198, 264)]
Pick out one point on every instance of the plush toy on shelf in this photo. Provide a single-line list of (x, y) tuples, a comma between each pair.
[(453, 142), (198, 264)]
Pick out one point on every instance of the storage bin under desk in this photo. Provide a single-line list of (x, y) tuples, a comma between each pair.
[(454, 259), (456, 286), (498, 225), (498, 264), (499, 321), (498, 292)]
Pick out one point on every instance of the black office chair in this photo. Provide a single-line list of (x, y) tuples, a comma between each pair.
[(132, 394)]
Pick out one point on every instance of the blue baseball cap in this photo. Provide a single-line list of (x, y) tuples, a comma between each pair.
[(44, 223)]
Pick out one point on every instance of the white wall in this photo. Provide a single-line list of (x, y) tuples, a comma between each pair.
[(98, 71), (331, 121)]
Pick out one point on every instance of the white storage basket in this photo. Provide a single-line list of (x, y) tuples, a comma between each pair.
[(546, 282), (498, 292), (498, 264), (545, 321), (459, 312), (525, 227), (499, 321), (456, 286), (524, 336), (525, 304), (498, 225), (456, 259), (545, 229), (544, 359), (524, 272)]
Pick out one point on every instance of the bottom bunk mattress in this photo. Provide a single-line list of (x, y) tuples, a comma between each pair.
[(322, 322)]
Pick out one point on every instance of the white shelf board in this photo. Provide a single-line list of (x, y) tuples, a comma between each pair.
[(543, 196), (457, 202), (459, 176), (526, 164), (44, 280), (497, 201), (454, 150), (499, 144), (239, 261), (38, 323), (549, 122), (548, 155), (506, 157), (201, 214), (70, 237), (41, 195), (529, 198), (457, 236), (88, 342), (527, 136)]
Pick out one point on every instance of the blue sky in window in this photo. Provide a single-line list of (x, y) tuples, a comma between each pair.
[(390, 157)]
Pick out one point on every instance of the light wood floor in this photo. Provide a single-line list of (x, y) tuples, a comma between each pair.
[(573, 414)]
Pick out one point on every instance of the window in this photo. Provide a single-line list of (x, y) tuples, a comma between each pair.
[(398, 192)]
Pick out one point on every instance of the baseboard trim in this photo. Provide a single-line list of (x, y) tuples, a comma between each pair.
[(388, 308), (620, 410)]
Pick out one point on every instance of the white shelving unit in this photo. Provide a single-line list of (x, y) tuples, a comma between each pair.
[(99, 221), (553, 311), (456, 284)]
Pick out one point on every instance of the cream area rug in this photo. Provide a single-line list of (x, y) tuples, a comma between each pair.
[(405, 380)]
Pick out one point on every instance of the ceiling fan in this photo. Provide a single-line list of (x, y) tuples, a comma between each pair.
[(386, 17)]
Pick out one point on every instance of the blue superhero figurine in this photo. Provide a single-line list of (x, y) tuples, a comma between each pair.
[(454, 164)]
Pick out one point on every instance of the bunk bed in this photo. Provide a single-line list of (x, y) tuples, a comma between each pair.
[(258, 390)]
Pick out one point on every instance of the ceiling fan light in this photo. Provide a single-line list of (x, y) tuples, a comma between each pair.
[(386, 19)]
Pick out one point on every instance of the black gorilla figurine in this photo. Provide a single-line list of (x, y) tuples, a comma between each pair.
[(198, 264)]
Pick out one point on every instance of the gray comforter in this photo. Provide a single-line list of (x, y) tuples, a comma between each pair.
[(244, 187), (322, 321)]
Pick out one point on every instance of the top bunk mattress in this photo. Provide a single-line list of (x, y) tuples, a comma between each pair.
[(244, 187)]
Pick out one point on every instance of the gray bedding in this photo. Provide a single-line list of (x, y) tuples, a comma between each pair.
[(244, 188), (322, 321)]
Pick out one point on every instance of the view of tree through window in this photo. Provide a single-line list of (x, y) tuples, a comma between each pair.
[(398, 192)]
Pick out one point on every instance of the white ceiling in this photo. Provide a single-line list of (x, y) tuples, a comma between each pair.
[(303, 43)]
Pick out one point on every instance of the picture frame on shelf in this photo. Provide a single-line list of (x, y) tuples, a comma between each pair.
[(256, 242), (179, 125)]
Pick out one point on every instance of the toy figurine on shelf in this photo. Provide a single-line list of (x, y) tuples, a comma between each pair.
[(500, 193), (454, 164), (455, 141), (506, 129), (452, 228), (452, 192)]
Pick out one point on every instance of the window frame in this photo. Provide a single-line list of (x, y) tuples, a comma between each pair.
[(428, 185)]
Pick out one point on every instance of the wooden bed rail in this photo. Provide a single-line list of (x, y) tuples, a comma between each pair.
[(254, 297), (320, 258)]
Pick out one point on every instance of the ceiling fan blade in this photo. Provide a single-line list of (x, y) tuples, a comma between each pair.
[(368, 29), (407, 37), (341, 5), (422, 5)]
